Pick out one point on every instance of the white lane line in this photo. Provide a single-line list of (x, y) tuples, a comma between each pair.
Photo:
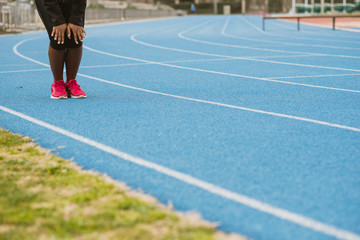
[(297, 37), (134, 64), (318, 26), (27, 58), (181, 35), (230, 106), (282, 42), (321, 33), (243, 58), (246, 58), (16, 65), (222, 73), (130, 22), (142, 64), (317, 76), (252, 25), (283, 56), (328, 27), (176, 61), (216, 190), (259, 49), (28, 70), (350, 30), (229, 74), (194, 99)]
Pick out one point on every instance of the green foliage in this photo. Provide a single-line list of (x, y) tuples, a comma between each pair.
[(96, 5), (275, 6), (205, 8)]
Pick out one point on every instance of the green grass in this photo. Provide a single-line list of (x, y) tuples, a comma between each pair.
[(45, 197)]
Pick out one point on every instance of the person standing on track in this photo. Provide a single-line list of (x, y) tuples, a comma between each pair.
[(192, 8), (64, 22)]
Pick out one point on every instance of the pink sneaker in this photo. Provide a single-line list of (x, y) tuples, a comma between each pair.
[(58, 90), (74, 89)]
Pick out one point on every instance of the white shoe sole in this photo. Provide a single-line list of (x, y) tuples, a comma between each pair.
[(61, 97), (80, 96)]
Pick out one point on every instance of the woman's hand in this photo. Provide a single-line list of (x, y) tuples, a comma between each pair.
[(77, 31), (58, 33)]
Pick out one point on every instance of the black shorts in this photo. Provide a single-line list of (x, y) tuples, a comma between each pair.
[(45, 17)]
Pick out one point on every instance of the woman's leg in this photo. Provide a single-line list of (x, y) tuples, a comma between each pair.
[(57, 59), (72, 62)]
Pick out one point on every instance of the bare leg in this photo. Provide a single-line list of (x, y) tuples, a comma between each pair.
[(72, 62), (57, 59)]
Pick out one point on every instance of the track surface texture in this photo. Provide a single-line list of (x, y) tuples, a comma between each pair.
[(257, 131)]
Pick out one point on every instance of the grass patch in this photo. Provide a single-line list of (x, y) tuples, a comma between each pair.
[(45, 197)]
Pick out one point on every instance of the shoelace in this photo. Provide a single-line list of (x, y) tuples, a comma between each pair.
[(59, 86), (74, 85)]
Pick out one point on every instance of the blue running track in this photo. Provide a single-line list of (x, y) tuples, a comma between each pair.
[(258, 131)]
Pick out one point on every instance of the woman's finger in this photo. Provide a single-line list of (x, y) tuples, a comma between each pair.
[(80, 35), (68, 31), (62, 37), (75, 37), (57, 36)]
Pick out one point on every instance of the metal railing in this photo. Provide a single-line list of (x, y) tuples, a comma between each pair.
[(19, 14), (22, 14), (298, 17)]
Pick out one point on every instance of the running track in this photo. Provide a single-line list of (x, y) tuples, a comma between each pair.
[(258, 131)]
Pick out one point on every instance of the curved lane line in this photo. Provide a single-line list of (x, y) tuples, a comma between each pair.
[(306, 38), (282, 43), (262, 49), (187, 98), (231, 57), (242, 199)]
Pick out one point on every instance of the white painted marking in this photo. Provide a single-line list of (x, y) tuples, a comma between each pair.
[(295, 37), (16, 65), (260, 49), (229, 106), (216, 190), (318, 76), (226, 74), (282, 42), (244, 58), (114, 65), (194, 99), (128, 22), (181, 35), (283, 56), (311, 32), (350, 30), (324, 26), (252, 25), (27, 58), (28, 70), (144, 61), (229, 74), (142, 64)]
